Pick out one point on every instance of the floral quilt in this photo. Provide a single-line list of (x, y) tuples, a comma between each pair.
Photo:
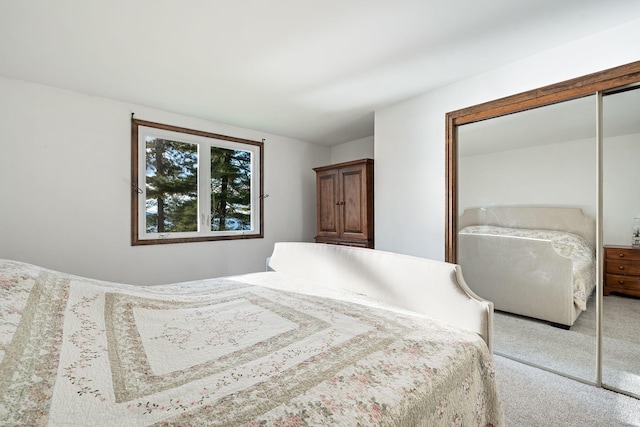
[(219, 352)]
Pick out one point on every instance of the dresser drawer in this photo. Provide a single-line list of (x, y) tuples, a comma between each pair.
[(629, 285), (615, 266), (622, 253)]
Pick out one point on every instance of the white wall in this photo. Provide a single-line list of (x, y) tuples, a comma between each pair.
[(410, 136), (353, 150), (65, 186), (620, 188), (561, 174)]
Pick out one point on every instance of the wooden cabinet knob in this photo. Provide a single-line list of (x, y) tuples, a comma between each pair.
[(621, 255), (621, 282), (621, 267)]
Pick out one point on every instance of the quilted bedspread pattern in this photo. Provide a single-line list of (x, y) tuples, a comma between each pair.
[(76, 351)]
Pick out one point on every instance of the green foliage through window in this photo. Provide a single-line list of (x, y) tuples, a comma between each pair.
[(230, 189), (171, 186)]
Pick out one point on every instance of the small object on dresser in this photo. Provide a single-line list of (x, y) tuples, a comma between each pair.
[(635, 235)]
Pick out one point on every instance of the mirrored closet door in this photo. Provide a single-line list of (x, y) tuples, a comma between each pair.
[(542, 192), (526, 231), (621, 207)]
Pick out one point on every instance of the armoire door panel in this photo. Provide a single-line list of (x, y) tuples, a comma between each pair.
[(352, 211), (328, 197)]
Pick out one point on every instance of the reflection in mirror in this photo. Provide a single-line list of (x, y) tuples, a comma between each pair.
[(621, 203), (526, 195)]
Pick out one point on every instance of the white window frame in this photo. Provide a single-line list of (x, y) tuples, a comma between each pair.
[(140, 130)]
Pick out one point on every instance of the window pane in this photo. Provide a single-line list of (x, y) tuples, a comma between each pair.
[(230, 189), (171, 186)]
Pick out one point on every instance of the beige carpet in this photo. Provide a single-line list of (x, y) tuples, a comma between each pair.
[(573, 352), (535, 398)]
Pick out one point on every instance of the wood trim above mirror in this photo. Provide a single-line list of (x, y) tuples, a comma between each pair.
[(559, 92)]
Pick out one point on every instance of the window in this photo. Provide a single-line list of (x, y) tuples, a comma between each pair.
[(193, 186)]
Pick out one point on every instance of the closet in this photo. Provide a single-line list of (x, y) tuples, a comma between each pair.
[(574, 144), (344, 199)]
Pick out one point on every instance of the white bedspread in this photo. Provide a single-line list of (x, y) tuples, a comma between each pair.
[(75, 351)]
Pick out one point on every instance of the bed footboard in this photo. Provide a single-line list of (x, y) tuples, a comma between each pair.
[(434, 288), (521, 276)]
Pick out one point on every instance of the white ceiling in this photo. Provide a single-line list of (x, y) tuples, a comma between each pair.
[(572, 120), (314, 70)]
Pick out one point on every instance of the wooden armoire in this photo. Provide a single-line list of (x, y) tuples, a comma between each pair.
[(344, 194)]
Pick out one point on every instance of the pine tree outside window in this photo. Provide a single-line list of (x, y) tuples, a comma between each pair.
[(194, 186)]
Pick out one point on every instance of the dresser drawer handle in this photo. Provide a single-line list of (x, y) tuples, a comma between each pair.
[(621, 282), (621, 267), (621, 255)]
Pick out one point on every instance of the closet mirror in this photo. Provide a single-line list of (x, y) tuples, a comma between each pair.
[(527, 231), (525, 221), (621, 205)]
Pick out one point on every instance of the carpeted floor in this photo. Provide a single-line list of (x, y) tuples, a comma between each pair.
[(533, 397), (573, 352)]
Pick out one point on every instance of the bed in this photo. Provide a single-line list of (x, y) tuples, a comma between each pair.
[(330, 336), (534, 261)]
